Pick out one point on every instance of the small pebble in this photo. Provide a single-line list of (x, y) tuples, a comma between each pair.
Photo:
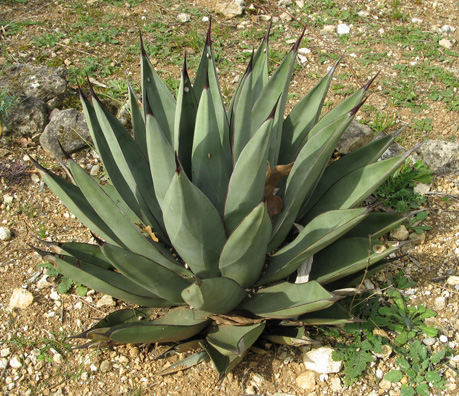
[(15, 362), (443, 338), (5, 234), (21, 298), (429, 341), (453, 280)]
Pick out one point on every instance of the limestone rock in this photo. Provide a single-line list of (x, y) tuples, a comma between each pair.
[(355, 136), (69, 128), (320, 360), (47, 84), (5, 234), (21, 298), (400, 233), (229, 10), (28, 116), (306, 381), (106, 301), (442, 157), (184, 17)]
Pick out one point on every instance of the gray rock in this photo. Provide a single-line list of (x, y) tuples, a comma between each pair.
[(440, 304), (429, 341), (106, 301), (44, 83), (229, 10), (355, 136), (442, 157), (320, 360), (27, 117), (394, 150), (69, 128)]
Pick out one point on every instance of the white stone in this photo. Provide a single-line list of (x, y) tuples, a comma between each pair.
[(429, 341), (386, 351), (5, 234), (448, 29), (445, 43), (304, 51), (286, 17), (342, 28), (323, 377), (3, 363), (400, 233), (299, 3), (416, 20), (94, 170), (229, 10), (285, 2), (422, 188), (306, 381), (8, 198), (184, 17), (58, 359), (336, 384), (21, 298), (78, 305), (43, 283), (5, 352), (363, 14), (320, 360), (440, 304), (302, 59), (379, 373), (205, 19), (329, 28), (54, 296), (106, 301), (15, 362), (453, 280), (443, 338)]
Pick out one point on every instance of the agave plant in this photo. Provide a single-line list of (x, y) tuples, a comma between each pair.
[(235, 219)]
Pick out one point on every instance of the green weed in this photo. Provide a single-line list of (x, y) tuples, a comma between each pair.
[(65, 284), (398, 192)]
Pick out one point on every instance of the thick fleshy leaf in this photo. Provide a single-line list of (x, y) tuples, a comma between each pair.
[(138, 121), (275, 91), (86, 252), (260, 67), (286, 300), (178, 324), (185, 119), (72, 197), (117, 221), (156, 93), (117, 178), (194, 226), (302, 118), (214, 295), (242, 116), (186, 363), (247, 183), (346, 257), (132, 164), (341, 108), (151, 276), (356, 279), (317, 234), (222, 363), (106, 281), (206, 78), (352, 189), (289, 335), (209, 166), (234, 340), (377, 224), (305, 173), (332, 316), (161, 157), (345, 165), (244, 254)]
